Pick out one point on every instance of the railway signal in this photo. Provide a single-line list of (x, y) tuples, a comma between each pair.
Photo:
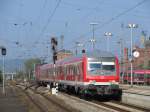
[(3, 52), (83, 50), (54, 56), (54, 44)]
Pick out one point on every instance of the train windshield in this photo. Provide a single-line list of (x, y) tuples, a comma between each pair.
[(101, 68)]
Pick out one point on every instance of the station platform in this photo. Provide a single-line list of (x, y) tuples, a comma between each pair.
[(10, 102), (141, 90), (136, 95)]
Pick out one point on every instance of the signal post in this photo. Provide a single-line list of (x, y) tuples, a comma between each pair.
[(54, 44), (3, 52)]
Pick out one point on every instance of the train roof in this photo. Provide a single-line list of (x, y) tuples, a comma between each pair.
[(89, 54), (98, 53)]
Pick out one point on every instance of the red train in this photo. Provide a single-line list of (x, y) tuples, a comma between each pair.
[(91, 73), (139, 77)]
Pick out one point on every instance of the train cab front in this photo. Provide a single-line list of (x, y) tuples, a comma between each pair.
[(103, 76)]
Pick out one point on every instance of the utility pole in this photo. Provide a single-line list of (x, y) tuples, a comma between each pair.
[(34, 69), (93, 37), (3, 52), (29, 73), (62, 41), (108, 35), (54, 44), (131, 26), (122, 51), (78, 44), (120, 42)]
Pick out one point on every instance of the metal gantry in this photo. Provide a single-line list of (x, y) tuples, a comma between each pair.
[(131, 26), (108, 35), (78, 44), (93, 40), (3, 52)]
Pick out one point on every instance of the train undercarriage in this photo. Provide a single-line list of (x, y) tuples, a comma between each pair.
[(89, 91)]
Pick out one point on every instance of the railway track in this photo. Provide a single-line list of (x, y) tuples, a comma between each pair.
[(36, 103), (115, 106), (31, 99), (121, 107), (132, 106), (44, 102), (108, 106)]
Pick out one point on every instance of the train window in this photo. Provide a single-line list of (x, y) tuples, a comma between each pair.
[(74, 67), (101, 68), (108, 67), (55, 70), (49, 72), (59, 70), (71, 70), (78, 69), (81, 69), (65, 70), (95, 66), (75, 70)]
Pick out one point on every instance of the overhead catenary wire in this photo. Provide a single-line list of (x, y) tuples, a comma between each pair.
[(47, 23), (78, 6), (112, 19), (40, 13), (49, 20)]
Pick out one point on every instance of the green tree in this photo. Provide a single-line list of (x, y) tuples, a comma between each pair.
[(29, 66), (19, 75)]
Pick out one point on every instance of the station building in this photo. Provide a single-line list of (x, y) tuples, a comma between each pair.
[(141, 65)]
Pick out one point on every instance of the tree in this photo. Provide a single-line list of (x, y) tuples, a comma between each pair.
[(29, 66), (19, 75)]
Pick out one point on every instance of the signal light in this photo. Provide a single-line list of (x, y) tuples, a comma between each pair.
[(54, 57), (3, 51), (83, 50), (54, 41), (54, 48)]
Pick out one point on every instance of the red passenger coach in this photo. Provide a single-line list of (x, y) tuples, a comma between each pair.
[(92, 73), (139, 77)]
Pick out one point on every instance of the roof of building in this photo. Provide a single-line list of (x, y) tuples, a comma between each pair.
[(64, 51), (147, 43), (98, 53)]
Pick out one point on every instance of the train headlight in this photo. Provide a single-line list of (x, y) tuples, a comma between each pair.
[(92, 81), (113, 81)]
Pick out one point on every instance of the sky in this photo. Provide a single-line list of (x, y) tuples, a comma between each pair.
[(26, 26)]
